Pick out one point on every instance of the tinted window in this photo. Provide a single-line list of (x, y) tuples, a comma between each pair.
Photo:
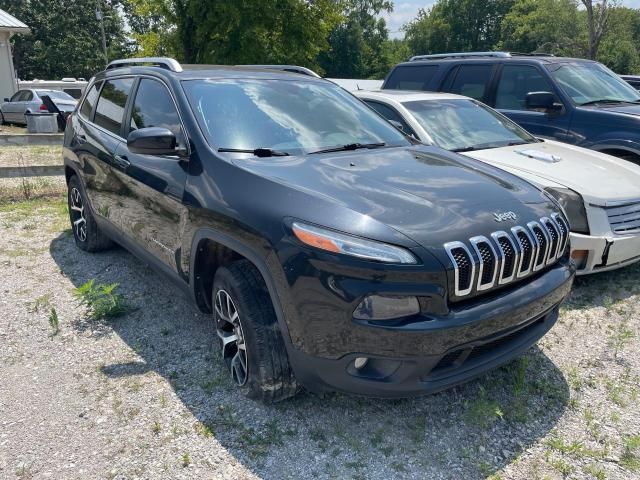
[(411, 77), (26, 96), (154, 107), (90, 101), (110, 108), (472, 80), (390, 114), (292, 116), (16, 96), (74, 92), (515, 82)]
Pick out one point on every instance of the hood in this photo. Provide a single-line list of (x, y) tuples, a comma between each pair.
[(599, 178), (428, 194)]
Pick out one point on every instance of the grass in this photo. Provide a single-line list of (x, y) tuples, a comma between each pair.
[(54, 322), (630, 458), (483, 411), (186, 459), (101, 300)]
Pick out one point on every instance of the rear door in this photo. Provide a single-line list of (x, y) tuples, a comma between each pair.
[(514, 83), (153, 211), (26, 104), (97, 135)]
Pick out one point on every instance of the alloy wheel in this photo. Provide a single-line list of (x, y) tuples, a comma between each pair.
[(77, 214), (229, 330)]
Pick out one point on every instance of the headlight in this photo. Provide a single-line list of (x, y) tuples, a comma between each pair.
[(346, 244), (573, 205)]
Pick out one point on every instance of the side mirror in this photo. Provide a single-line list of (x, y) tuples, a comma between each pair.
[(7, 99), (152, 141), (397, 124), (541, 100)]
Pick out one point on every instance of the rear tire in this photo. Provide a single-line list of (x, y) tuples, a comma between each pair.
[(252, 345), (87, 235)]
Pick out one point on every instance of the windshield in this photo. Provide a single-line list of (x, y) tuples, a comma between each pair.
[(292, 117), (461, 124), (592, 82), (55, 95)]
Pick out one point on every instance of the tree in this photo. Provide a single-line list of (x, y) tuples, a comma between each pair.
[(359, 45), (619, 47), (64, 41), (597, 23), (458, 25), (550, 26)]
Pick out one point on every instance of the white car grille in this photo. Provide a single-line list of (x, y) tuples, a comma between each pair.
[(624, 219)]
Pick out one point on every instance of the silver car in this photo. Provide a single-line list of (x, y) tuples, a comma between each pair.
[(30, 101)]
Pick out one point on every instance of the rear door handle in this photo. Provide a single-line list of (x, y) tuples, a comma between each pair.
[(122, 162)]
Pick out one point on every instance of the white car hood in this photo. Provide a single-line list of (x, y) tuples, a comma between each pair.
[(601, 179)]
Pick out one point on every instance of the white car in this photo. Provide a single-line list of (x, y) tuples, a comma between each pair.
[(600, 193)]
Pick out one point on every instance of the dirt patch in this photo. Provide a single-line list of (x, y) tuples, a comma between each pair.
[(146, 395)]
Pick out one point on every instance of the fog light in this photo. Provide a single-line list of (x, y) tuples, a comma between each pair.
[(580, 257), (360, 362), (378, 307)]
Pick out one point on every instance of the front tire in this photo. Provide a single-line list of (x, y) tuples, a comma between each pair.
[(252, 346), (87, 235)]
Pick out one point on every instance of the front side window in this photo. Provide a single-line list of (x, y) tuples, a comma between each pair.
[(472, 81), (411, 77), (154, 107), (464, 125), (291, 116), (591, 83), (516, 81), (110, 108), (16, 96), (90, 101)]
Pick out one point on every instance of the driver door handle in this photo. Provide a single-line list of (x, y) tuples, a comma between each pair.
[(122, 162)]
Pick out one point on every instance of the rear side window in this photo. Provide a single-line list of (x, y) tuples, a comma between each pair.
[(90, 101), (516, 81), (26, 96), (113, 99), (471, 81), (154, 107), (411, 77)]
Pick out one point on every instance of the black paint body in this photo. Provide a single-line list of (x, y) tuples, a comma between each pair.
[(164, 209)]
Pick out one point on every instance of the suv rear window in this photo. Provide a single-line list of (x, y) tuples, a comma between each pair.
[(411, 77), (110, 108), (471, 80), (90, 101)]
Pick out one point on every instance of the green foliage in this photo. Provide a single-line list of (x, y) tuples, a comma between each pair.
[(102, 301), (54, 322), (64, 39)]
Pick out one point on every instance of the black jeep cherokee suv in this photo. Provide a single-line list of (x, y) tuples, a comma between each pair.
[(333, 253)]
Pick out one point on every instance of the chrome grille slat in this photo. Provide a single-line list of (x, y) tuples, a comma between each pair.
[(483, 248), (624, 219), (503, 257)]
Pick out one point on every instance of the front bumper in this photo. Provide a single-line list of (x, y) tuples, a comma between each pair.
[(433, 352), (606, 252)]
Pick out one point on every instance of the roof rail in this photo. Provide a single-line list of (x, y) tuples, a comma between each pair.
[(532, 54), (162, 62), (441, 56), (286, 68)]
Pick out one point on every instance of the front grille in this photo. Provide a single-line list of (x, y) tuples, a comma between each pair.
[(507, 256), (624, 219)]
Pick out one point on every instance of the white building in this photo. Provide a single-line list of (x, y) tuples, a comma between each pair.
[(8, 26)]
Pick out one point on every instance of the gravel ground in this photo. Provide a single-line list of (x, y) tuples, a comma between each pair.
[(145, 395)]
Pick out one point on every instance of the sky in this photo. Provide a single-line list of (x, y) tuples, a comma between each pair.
[(406, 10)]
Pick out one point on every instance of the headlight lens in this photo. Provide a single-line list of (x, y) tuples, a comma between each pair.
[(348, 245), (573, 205)]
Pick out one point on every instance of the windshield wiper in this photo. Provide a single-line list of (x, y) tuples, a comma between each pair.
[(350, 146), (465, 149), (258, 152), (608, 100)]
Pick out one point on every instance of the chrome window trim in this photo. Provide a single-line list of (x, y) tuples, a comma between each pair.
[(449, 246), (474, 243), (496, 237)]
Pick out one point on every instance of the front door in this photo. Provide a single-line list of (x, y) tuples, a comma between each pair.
[(153, 210), (515, 82)]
